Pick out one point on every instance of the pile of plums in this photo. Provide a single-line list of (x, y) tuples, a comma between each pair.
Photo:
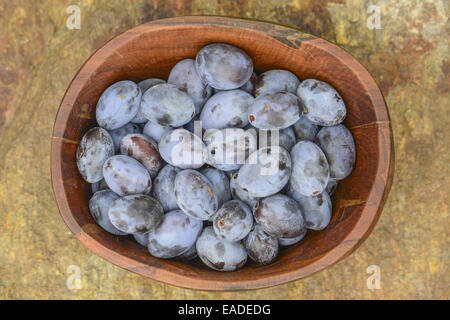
[(218, 162)]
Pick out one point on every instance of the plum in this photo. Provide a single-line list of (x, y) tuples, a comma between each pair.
[(275, 111), (220, 182), (144, 150), (144, 86), (118, 134), (175, 235), (226, 109), (183, 149), (276, 80), (261, 247), (163, 187), (305, 129), (284, 138), (285, 242), (266, 173), (238, 193), (155, 131), (125, 176), (136, 213), (95, 148), (98, 207), (280, 216), (219, 254), (227, 149), (223, 66), (310, 171), (167, 105), (195, 194), (324, 105), (184, 75), (317, 210), (339, 147), (233, 221), (118, 104)]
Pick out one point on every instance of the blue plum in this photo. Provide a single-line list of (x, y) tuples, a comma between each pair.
[(233, 221), (95, 147), (310, 170), (324, 105), (175, 235), (135, 213), (339, 147), (118, 104), (223, 66), (219, 254)]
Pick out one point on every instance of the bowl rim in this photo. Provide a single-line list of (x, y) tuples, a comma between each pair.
[(361, 230)]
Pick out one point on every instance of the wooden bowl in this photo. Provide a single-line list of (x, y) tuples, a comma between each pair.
[(151, 50)]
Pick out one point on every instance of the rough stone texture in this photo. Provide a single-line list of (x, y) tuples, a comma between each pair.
[(408, 57)]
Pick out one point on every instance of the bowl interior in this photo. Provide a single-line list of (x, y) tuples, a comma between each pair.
[(151, 50)]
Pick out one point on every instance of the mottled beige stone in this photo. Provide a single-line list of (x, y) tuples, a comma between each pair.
[(408, 57)]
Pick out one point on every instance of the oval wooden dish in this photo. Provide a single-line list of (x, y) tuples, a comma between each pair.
[(151, 50)]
